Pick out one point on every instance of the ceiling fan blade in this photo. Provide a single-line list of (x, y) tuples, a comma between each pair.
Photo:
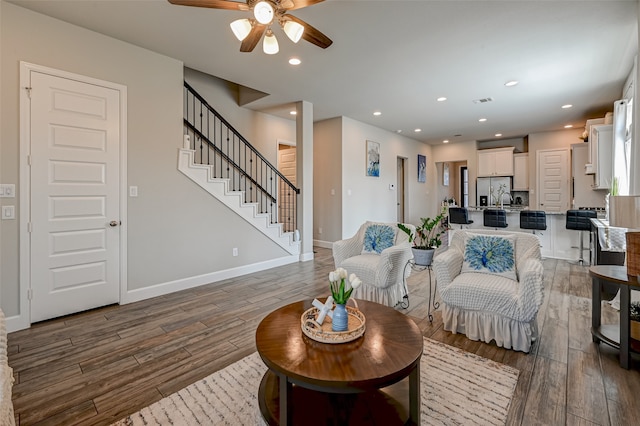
[(213, 4), (311, 34), (299, 4), (250, 42)]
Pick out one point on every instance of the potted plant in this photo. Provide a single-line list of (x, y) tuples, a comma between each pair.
[(426, 238)]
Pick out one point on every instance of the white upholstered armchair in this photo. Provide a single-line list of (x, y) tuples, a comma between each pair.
[(484, 305), (379, 264)]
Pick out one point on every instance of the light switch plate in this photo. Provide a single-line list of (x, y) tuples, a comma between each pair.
[(7, 190), (133, 191), (8, 212)]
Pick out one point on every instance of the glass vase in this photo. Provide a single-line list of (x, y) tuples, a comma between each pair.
[(340, 320)]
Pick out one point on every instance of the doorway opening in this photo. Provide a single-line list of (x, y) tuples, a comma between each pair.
[(401, 196)]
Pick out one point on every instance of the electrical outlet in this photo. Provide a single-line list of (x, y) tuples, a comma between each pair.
[(235, 251), (319, 230)]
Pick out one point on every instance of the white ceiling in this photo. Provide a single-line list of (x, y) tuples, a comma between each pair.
[(399, 56)]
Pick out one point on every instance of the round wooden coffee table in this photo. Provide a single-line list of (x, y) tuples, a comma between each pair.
[(310, 383)]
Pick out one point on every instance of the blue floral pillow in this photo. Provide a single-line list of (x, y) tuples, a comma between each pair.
[(378, 238), (490, 254)]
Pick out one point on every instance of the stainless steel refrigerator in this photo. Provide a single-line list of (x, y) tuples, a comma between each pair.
[(487, 185)]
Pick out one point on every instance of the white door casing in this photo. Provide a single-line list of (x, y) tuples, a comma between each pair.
[(553, 179), (74, 194)]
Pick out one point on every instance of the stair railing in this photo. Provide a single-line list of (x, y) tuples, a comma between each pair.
[(232, 157)]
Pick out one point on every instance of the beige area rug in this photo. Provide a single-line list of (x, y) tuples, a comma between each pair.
[(458, 388)]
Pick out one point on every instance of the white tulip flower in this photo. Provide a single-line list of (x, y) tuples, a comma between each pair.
[(342, 273), (332, 277), (356, 283)]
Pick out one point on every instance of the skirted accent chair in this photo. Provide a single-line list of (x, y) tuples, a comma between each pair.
[(491, 285), (377, 254)]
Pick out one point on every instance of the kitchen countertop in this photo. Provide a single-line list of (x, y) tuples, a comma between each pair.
[(509, 209), (610, 237)]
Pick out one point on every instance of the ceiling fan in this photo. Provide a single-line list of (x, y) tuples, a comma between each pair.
[(265, 13)]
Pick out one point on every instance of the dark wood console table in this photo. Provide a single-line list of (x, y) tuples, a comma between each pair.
[(613, 335), (315, 383)]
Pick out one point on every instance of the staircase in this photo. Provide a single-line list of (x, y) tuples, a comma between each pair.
[(226, 165)]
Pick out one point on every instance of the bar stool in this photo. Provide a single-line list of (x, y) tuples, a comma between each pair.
[(579, 220), (459, 215), (495, 218), (535, 220)]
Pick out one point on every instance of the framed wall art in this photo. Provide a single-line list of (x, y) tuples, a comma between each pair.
[(373, 159), (422, 168)]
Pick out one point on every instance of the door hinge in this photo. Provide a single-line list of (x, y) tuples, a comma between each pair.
[(28, 89), (30, 227), (30, 294), (28, 160)]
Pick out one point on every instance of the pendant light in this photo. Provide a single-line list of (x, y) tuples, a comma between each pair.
[(270, 43), (241, 28), (293, 30)]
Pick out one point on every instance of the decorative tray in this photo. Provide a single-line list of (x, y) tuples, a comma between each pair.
[(323, 333)]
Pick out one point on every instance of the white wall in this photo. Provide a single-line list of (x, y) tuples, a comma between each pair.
[(363, 197), (327, 185), (175, 230)]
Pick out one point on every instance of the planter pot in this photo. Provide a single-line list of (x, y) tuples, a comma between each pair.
[(422, 257)]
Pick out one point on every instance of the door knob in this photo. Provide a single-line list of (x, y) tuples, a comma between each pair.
[(113, 223)]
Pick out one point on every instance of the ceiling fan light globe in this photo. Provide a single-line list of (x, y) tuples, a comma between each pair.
[(241, 28), (293, 30), (270, 44), (263, 12)]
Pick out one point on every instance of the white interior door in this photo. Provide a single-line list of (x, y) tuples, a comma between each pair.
[(553, 180), (286, 166), (75, 246)]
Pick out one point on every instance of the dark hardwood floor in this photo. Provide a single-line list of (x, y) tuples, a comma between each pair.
[(95, 367)]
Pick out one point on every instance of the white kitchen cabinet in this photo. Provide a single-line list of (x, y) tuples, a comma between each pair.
[(495, 162), (601, 155), (521, 172)]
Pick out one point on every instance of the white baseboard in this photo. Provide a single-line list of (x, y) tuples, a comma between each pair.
[(196, 281), (16, 322), (305, 257), (323, 244)]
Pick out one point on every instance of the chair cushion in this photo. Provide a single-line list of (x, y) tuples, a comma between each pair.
[(484, 292), (490, 254), (377, 238), (365, 266)]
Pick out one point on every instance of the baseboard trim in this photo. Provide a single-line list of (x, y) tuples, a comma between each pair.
[(196, 281), (16, 323), (323, 244)]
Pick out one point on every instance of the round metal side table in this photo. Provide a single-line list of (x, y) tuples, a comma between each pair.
[(432, 289)]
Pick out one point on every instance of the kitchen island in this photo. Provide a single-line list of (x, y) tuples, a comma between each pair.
[(556, 241)]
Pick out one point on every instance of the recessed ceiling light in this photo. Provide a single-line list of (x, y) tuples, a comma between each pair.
[(445, 141), (498, 135), (376, 113), (293, 112), (295, 61), (398, 131), (417, 130), (441, 99), (511, 83), (482, 120), (568, 126), (567, 106)]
